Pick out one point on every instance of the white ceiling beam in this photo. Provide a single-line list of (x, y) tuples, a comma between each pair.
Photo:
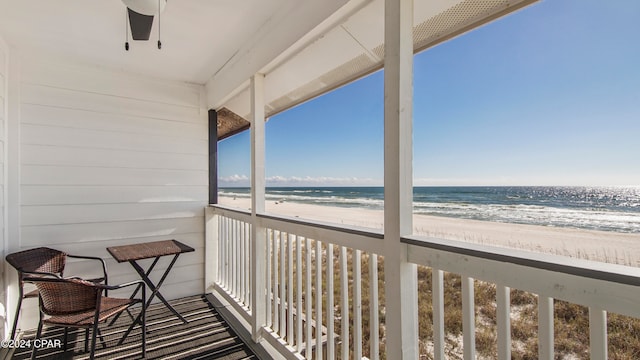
[(277, 34)]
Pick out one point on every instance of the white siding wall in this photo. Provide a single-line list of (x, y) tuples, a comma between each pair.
[(111, 159), (3, 114)]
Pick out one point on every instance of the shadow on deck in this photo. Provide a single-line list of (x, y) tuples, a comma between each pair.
[(206, 336)]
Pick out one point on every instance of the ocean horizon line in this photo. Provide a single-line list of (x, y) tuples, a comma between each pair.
[(604, 208)]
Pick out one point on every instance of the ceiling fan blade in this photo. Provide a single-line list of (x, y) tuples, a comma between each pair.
[(140, 25)]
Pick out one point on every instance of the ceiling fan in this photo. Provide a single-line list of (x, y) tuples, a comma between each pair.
[(140, 15)]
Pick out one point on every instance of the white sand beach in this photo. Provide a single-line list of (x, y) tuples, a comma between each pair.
[(605, 246)]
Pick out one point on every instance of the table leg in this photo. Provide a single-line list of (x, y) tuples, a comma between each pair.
[(135, 292), (155, 289)]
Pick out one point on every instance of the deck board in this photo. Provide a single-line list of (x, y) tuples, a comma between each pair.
[(206, 336)]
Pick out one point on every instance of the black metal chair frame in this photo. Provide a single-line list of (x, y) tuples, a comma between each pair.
[(15, 260), (100, 289)]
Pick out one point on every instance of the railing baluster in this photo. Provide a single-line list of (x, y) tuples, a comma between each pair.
[(220, 253), (236, 259), (249, 279), (319, 293), (269, 296), (468, 319), (344, 303), (374, 322), (299, 294), (598, 333), (283, 294), (241, 259), (232, 260), (503, 323), (357, 304), (226, 255), (331, 351), (308, 299), (247, 267), (545, 328), (276, 314), (437, 288), (290, 331), (245, 260)]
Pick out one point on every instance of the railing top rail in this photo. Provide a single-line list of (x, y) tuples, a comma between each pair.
[(621, 274), (355, 237), (230, 209), (354, 230)]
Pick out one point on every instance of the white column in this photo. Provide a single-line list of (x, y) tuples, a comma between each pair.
[(258, 249), (401, 287), (12, 178), (211, 248)]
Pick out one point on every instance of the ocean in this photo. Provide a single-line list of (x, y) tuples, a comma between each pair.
[(596, 208)]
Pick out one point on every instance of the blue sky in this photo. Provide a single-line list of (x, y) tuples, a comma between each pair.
[(549, 95)]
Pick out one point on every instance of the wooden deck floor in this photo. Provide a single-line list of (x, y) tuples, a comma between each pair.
[(206, 336)]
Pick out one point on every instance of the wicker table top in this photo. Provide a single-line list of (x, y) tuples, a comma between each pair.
[(148, 250)]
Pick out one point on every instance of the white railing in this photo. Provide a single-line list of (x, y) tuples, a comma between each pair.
[(599, 286), (314, 282), (315, 278), (232, 233)]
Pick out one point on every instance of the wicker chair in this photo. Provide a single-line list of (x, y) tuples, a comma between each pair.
[(42, 260), (77, 303)]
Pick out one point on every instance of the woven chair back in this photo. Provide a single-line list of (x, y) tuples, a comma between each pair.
[(40, 259), (66, 296)]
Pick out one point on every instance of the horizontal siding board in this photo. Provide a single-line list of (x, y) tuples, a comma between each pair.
[(70, 156), (52, 235), (82, 119), (112, 83), (122, 272), (58, 175), (195, 240), (78, 214), (191, 263), (64, 98), (3, 57), (57, 136), (69, 195), (2, 81)]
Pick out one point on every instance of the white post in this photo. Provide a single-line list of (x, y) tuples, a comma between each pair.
[(331, 351), (401, 283), (357, 304), (211, 248), (374, 320), (12, 180), (258, 248), (503, 322), (545, 328), (438, 313), (468, 319), (598, 333)]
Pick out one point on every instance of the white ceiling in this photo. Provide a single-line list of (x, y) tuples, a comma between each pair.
[(304, 48), (353, 46), (198, 36)]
